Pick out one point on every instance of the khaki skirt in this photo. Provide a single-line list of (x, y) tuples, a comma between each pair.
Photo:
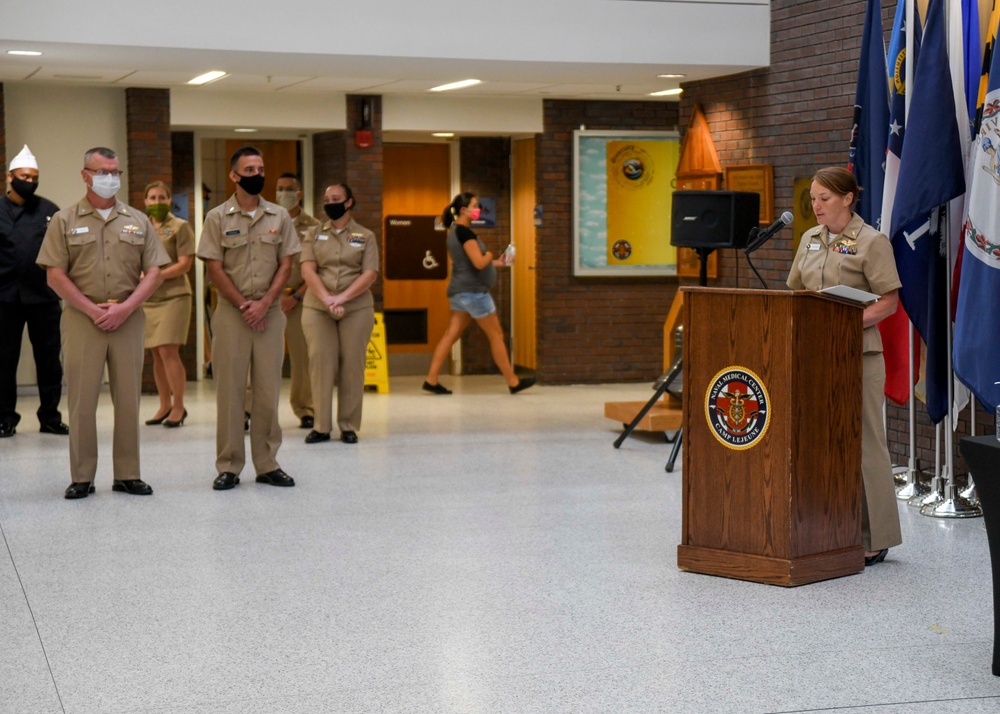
[(167, 321)]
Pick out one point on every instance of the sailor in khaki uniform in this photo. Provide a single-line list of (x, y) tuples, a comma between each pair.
[(339, 263), (844, 250), (248, 244), (289, 197), (103, 259)]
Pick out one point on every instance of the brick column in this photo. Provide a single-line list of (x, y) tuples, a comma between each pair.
[(147, 116)]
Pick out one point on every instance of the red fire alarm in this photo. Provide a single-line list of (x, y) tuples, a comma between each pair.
[(363, 138)]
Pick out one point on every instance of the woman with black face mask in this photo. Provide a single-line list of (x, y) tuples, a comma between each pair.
[(339, 264)]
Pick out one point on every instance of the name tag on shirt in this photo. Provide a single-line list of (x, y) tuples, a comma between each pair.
[(78, 231), (812, 246), (322, 236), (234, 232)]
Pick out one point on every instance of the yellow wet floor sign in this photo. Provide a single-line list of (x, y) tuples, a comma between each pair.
[(377, 361)]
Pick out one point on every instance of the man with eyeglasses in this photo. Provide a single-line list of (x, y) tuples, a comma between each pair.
[(26, 298), (103, 259), (247, 244), (289, 195)]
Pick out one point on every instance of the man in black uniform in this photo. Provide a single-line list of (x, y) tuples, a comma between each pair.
[(26, 298)]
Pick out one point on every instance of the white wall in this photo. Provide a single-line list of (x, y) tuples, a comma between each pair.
[(407, 112), (227, 110), (59, 124)]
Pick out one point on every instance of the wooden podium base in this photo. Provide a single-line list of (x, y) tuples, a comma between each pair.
[(771, 571), (662, 417)]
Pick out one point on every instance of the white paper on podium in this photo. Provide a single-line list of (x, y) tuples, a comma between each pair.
[(853, 294)]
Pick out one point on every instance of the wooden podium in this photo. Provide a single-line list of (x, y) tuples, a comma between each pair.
[(772, 436)]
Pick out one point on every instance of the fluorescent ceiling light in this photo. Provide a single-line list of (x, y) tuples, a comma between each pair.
[(671, 76), (444, 134), (245, 130), (456, 85), (208, 77), (666, 93), (26, 53)]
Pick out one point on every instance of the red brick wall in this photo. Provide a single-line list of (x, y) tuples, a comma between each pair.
[(147, 116), (485, 170), (796, 115), (592, 329)]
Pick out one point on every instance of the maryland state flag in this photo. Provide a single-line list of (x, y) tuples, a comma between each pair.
[(977, 329)]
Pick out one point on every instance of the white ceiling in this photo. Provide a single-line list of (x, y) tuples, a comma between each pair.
[(295, 73)]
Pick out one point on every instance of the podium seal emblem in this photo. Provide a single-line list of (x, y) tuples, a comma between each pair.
[(737, 408)]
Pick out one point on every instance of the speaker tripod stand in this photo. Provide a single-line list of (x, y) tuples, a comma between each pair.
[(665, 382)]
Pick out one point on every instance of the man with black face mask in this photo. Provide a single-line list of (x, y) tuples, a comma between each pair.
[(26, 298), (247, 244)]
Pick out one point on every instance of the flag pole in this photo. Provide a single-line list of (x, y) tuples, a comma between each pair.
[(952, 504), (969, 492)]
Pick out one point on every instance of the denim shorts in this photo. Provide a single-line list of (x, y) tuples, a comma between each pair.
[(478, 305)]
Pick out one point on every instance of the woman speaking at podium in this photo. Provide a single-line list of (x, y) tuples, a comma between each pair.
[(844, 250)]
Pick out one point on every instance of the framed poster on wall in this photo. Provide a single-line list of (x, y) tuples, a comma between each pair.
[(756, 178), (623, 183)]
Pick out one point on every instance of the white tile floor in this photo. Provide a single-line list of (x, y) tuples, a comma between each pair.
[(473, 553)]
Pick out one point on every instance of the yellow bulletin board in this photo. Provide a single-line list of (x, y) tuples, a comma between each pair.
[(623, 195)]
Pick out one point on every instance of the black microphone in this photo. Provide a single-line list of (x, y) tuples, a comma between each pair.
[(763, 236)]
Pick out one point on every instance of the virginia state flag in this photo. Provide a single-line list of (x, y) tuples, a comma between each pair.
[(976, 349), (896, 328), (931, 173)]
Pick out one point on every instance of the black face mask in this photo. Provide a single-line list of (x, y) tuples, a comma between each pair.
[(24, 189), (252, 184), (335, 211)]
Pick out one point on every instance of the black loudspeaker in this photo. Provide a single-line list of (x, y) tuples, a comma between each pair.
[(714, 219)]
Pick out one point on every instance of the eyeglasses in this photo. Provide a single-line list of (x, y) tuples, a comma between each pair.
[(104, 172)]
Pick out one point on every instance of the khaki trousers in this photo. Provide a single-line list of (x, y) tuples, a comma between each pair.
[(238, 351), (879, 513), (86, 350), (298, 358), (337, 352)]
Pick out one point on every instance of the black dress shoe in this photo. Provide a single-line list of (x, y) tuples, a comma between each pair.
[(521, 385), (225, 481), (157, 420), (174, 424), (134, 486), (877, 558), (79, 490), (306, 422), (276, 478), (435, 388), (349, 437), (54, 427), (7, 430), (246, 421), (314, 437)]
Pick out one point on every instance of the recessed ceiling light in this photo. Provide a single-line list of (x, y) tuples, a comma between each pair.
[(666, 93), (208, 77), (25, 53), (245, 130), (456, 85), (444, 134), (671, 76)]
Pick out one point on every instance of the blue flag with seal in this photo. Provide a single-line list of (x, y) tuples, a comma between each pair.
[(931, 173), (976, 349)]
